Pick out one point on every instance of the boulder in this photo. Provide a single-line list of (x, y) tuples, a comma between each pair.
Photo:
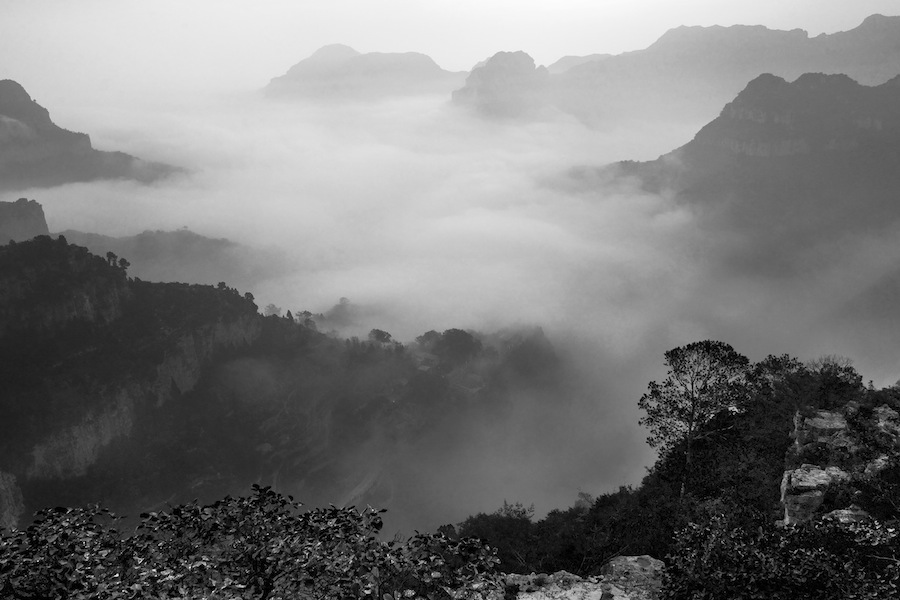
[(852, 514), (622, 578), (803, 489)]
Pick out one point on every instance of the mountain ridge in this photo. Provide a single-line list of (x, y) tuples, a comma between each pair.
[(337, 71), (691, 71), (35, 152)]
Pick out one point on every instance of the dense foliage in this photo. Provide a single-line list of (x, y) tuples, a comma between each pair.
[(716, 559), (262, 546)]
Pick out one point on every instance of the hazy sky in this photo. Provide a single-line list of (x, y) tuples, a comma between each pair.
[(51, 46)]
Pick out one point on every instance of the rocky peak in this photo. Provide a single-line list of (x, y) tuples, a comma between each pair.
[(21, 220), (508, 84), (15, 103), (815, 113)]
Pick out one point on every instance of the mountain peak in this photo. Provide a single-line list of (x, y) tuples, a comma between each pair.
[(878, 21), (333, 52), (17, 104)]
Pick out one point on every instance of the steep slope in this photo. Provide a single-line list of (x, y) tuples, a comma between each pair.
[(35, 152), (340, 72), (690, 72), (787, 165), (21, 220)]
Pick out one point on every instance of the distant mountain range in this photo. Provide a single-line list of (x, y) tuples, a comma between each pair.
[(35, 152), (340, 72), (689, 73)]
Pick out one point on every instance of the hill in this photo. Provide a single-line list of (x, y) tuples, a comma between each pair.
[(340, 72), (35, 152)]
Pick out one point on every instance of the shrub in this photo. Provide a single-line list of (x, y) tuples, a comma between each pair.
[(819, 560), (263, 546)]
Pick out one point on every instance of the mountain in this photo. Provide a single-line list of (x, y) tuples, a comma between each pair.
[(507, 85), (35, 152), (21, 220), (185, 256), (690, 72), (340, 72), (567, 62), (137, 394), (789, 164)]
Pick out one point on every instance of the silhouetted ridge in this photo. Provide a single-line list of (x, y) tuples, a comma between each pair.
[(340, 72), (35, 152)]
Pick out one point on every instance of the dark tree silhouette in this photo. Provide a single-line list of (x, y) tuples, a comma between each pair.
[(704, 379)]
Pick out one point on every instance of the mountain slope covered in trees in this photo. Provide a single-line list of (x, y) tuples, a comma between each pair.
[(137, 393)]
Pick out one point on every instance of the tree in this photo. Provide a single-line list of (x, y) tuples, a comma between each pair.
[(457, 346), (379, 336), (272, 311), (704, 379), (124, 264)]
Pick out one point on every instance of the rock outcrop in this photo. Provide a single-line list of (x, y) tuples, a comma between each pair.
[(35, 152), (623, 578), (11, 504), (21, 220), (850, 445)]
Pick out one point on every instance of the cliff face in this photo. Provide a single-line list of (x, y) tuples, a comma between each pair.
[(838, 451), (90, 357), (21, 220), (35, 152)]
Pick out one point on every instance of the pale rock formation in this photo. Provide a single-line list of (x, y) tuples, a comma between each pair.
[(803, 490), (852, 514), (11, 502), (69, 453), (623, 578)]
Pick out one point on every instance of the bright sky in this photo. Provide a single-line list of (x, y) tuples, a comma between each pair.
[(58, 47)]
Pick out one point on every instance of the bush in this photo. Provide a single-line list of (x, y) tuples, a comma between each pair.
[(262, 546), (820, 560)]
